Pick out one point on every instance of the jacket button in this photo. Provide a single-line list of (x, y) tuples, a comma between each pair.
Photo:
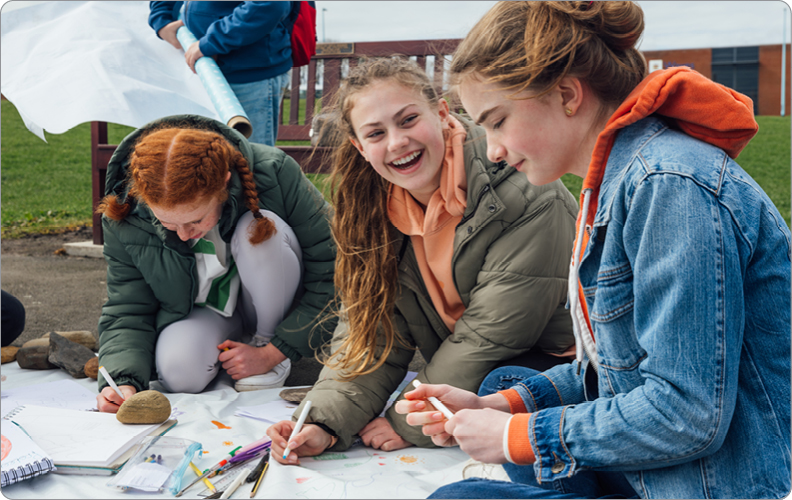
[(470, 229), (491, 208), (557, 467)]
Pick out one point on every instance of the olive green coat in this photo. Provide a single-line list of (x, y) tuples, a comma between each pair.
[(511, 260), (151, 273)]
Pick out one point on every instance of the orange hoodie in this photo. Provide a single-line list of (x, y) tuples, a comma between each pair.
[(700, 108), (432, 230)]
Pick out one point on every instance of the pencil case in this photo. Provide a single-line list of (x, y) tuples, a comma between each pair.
[(158, 465)]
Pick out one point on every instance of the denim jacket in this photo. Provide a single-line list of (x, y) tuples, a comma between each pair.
[(691, 395)]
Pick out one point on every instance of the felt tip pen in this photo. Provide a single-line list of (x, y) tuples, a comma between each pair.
[(298, 427), (265, 461), (111, 382), (436, 402), (260, 467)]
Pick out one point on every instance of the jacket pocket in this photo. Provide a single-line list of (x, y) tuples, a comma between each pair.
[(617, 342), (614, 296)]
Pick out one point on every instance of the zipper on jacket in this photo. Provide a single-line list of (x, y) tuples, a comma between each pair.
[(469, 216)]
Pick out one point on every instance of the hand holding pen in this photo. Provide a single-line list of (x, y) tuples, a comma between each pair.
[(464, 427), (291, 440), (112, 396)]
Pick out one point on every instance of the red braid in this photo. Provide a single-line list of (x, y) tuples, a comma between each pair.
[(176, 166), (262, 228)]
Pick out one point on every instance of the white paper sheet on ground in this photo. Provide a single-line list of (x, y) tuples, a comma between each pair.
[(56, 394), (66, 63), (360, 471), (209, 419), (271, 412)]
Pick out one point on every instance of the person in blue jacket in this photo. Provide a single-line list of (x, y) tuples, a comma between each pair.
[(251, 43)]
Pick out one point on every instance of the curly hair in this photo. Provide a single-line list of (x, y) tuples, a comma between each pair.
[(173, 166)]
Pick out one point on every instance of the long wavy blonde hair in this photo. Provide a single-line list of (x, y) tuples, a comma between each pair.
[(366, 274)]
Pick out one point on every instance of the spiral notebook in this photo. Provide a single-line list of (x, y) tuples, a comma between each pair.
[(21, 457), (82, 442)]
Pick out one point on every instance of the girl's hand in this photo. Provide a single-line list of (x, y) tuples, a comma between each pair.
[(420, 411), (242, 360), (479, 433), (108, 401), (310, 441), (380, 435)]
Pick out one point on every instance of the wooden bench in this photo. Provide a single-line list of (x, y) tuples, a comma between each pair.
[(332, 61)]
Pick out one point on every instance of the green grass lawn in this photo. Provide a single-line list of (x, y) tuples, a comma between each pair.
[(46, 186)]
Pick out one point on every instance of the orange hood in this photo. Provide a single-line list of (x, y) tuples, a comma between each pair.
[(700, 107)]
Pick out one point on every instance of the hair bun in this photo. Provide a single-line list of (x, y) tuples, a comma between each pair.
[(618, 24)]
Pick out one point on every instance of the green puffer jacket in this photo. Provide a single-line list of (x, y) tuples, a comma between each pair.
[(151, 273), (510, 262)]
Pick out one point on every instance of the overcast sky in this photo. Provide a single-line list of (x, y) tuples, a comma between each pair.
[(669, 24)]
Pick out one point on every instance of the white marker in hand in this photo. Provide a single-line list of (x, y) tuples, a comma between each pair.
[(297, 427), (436, 402), (110, 381)]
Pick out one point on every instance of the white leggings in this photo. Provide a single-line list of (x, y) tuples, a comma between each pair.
[(271, 276)]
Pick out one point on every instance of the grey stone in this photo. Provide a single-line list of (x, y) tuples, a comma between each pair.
[(69, 355), (294, 395), (34, 357)]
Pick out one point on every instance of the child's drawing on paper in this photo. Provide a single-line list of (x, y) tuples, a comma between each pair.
[(408, 473)]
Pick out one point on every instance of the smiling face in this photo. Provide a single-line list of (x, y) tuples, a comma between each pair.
[(535, 136), (192, 220), (401, 135)]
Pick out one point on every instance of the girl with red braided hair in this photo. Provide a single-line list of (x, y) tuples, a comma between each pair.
[(219, 253)]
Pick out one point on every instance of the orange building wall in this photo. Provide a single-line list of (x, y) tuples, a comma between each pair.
[(770, 81)]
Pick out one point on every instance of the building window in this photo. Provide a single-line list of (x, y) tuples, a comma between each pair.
[(737, 68)]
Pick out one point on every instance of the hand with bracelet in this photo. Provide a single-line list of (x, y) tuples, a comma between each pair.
[(312, 440)]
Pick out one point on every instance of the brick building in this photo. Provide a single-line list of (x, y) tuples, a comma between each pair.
[(754, 71)]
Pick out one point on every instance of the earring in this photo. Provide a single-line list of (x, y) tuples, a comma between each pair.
[(569, 112)]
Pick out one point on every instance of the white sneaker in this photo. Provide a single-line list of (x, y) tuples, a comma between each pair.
[(270, 380), (474, 468)]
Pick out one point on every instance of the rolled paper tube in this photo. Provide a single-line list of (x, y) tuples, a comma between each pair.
[(223, 98), (242, 124)]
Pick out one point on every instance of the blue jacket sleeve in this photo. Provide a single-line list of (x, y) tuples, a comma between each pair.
[(558, 386), (162, 14), (248, 23), (683, 395)]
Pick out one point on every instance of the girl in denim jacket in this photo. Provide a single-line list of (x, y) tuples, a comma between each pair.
[(679, 280)]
